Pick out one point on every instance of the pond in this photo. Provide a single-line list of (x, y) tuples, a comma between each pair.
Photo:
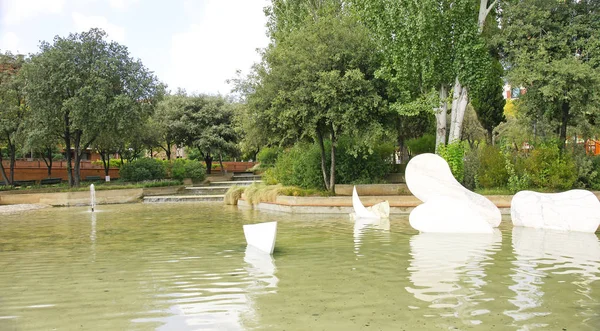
[(185, 267)]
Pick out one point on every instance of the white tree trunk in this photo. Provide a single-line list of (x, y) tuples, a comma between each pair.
[(458, 111), (460, 96), (440, 118)]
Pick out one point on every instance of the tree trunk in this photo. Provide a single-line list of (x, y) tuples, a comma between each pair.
[(440, 118), (460, 100), (223, 172), (332, 167), (490, 136), (563, 124), (323, 169), (208, 160), (77, 146), (106, 161), (67, 138), (12, 151), (48, 160), (3, 171)]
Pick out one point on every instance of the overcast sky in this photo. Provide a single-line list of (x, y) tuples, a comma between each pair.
[(193, 44)]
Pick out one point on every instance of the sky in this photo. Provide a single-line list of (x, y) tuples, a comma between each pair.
[(192, 44)]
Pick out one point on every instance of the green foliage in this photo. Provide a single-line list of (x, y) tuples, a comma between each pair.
[(517, 180), (424, 144), (362, 167), (453, 154), (588, 170), (184, 168), (488, 101), (550, 169), (492, 171), (268, 156), (472, 165), (299, 166), (142, 169), (113, 163)]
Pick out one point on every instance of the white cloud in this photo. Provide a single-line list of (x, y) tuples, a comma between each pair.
[(121, 4), (224, 40), (84, 23), (16, 11), (9, 42)]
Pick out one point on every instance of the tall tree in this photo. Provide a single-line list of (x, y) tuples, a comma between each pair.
[(13, 108), (80, 83), (489, 102), (206, 123), (168, 111), (317, 82), (553, 50)]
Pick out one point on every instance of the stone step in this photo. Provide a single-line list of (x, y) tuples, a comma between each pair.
[(206, 190), (239, 183), (250, 177), (185, 198)]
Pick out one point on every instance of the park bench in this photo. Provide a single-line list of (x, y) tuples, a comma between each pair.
[(24, 182), (93, 178), (46, 181)]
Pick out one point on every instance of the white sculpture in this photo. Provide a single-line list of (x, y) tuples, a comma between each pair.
[(575, 210), (377, 211), (262, 236), (429, 176), (448, 215)]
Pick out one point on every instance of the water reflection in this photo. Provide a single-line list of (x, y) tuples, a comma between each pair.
[(362, 225), (542, 259), (261, 268), (447, 270)]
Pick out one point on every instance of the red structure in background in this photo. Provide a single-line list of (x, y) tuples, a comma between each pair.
[(592, 147)]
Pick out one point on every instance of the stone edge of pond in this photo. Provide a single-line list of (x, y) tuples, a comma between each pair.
[(13, 209)]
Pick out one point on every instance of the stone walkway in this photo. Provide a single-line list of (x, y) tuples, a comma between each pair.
[(11, 209)]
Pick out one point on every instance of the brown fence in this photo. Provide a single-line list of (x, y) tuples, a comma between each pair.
[(37, 170)]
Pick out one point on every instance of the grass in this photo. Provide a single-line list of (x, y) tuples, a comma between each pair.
[(85, 186)]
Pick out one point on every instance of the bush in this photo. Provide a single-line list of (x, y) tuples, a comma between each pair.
[(550, 169), (183, 168), (492, 171), (453, 154), (424, 144), (142, 169), (362, 167), (298, 166), (268, 156), (472, 165)]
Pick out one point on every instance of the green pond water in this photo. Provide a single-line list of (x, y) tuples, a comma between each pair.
[(186, 267)]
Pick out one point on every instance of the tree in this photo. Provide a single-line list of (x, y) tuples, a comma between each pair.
[(13, 108), (167, 112), (206, 123), (317, 82), (488, 101), (80, 84), (430, 45), (552, 49)]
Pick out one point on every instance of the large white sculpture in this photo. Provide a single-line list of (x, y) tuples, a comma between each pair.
[(377, 211), (575, 210), (261, 236), (429, 176), (448, 215)]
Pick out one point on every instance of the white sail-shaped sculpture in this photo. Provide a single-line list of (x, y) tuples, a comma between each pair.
[(574, 210), (261, 236), (377, 211)]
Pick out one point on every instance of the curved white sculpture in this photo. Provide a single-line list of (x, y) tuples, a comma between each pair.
[(574, 210), (262, 236), (428, 176), (377, 211), (448, 215)]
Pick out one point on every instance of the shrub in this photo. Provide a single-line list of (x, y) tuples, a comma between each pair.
[(472, 165), (424, 144), (182, 168), (492, 171), (233, 194), (453, 154), (362, 166), (299, 166), (268, 156), (142, 169), (550, 169)]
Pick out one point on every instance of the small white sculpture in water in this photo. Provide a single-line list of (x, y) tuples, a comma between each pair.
[(261, 236), (377, 211), (574, 210), (428, 177), (92, 197)]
